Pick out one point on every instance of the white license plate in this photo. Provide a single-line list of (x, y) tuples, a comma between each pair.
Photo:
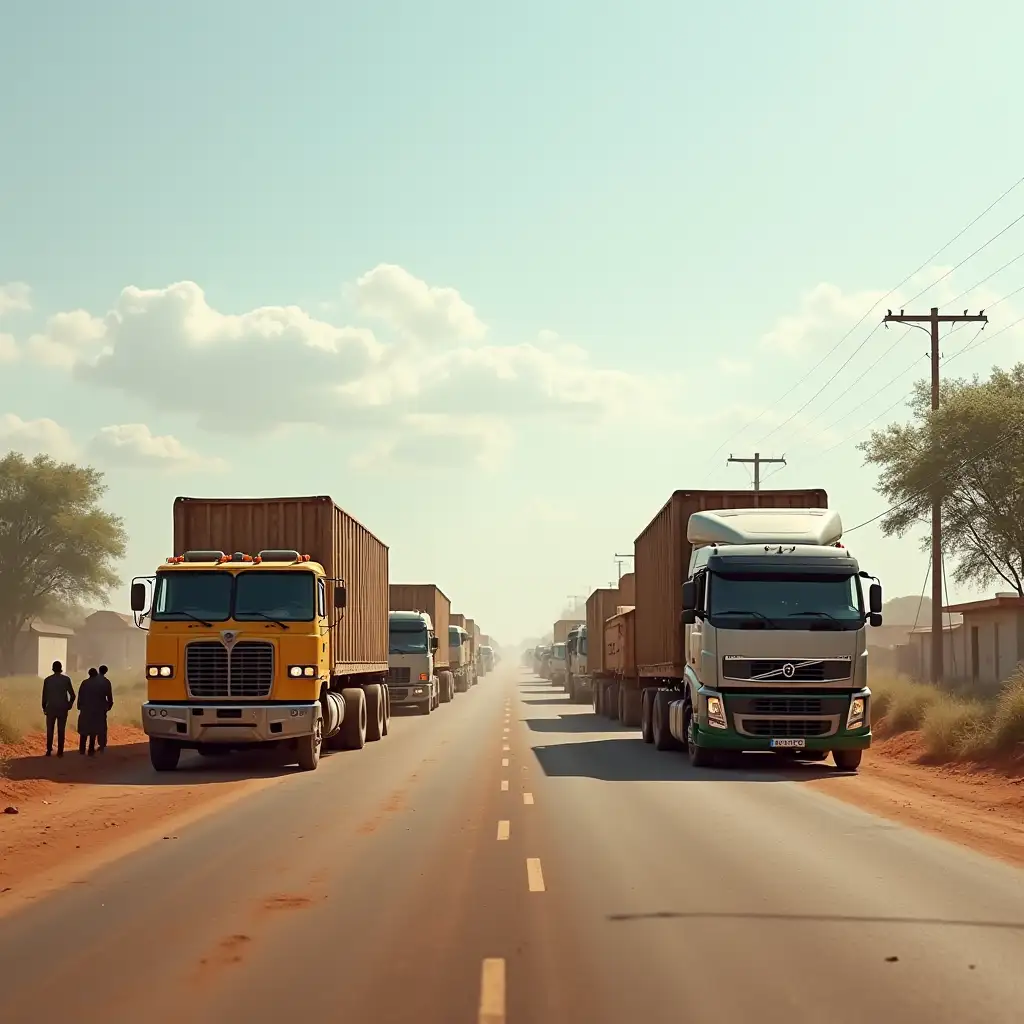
[(788, 744)]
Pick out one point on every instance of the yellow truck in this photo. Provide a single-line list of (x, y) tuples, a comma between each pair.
[(268, 626)]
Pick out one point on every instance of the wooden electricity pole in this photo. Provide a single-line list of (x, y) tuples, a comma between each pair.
[(934, 319), (758, 463)]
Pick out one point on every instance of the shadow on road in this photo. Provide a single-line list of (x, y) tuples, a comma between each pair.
[(631, 760), (563, 701), (571, 723), (676, 915)]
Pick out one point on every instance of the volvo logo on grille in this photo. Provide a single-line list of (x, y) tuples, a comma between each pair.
[(228, 637), (788, 670)]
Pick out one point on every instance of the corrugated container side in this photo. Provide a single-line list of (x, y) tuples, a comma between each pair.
[(473, 642), (562, 627), (663, 560), (313, 526), (627, 589), (601, 605), (429, 598), (455, 619), (619, 633)]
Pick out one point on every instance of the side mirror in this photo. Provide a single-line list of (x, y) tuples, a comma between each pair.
[(689, 616), (340, 596), (874, 618), (139, 597), (433, 643), (875, 599), (690, 596)]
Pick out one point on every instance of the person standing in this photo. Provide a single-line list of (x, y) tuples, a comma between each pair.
[(108, 696), (58, 700), (92, 712)]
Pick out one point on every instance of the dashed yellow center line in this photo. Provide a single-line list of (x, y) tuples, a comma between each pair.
[(492, 992), (504, 785), (534, 875), (527, 798), (503, 827), (504, 762)]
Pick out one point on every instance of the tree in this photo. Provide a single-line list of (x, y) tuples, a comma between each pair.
[(970, 452), (57, 546)]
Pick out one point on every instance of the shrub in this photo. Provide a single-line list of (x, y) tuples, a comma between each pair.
[(952, 726), (900, 703), (1006, 729)]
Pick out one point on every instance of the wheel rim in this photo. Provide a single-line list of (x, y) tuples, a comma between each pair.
[(691, 747), (318, 736)]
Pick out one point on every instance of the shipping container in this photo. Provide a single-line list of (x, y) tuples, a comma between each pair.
[(425, 597), (313, 526), (454, 619), (662, 563), (601, 606), (474, 642), (619, 632), (627, 589), (562, 628)]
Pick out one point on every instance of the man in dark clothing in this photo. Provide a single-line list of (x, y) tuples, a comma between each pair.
[(92, 707), (58, 700), (108, 693)]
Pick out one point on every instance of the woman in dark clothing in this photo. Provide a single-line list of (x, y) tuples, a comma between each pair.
[(92, 712)]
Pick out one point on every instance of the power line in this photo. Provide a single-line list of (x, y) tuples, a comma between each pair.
[(758, 461)]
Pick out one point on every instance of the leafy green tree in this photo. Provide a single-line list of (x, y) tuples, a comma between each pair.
[(970, 453), (57, 546)]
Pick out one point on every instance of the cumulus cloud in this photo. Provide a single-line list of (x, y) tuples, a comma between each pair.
[(15, 297), (820, 311), (35, 437), (134, 446), (391, 294)]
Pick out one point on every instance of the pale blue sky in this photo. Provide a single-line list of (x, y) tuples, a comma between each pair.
[(660, 184)]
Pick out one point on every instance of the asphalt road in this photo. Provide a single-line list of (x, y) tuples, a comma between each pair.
[(604, 883)]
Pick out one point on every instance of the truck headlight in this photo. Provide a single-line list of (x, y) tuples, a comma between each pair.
[(716, 713), (159, 671), (298, 671), (857, 715)]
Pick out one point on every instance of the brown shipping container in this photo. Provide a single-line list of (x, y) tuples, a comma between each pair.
[(562, 627), (619, 632), (663, 560), (312, 526), (473, 642), (627, 589), (601, 606), (425, 597), (455, 619)]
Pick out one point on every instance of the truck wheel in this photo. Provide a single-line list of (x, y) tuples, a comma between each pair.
[(447, 688), (611, 701), (847, 760), (597, 697), (353, 729), (700, 757), (386, 691), (426, 706), (374, 712), (629, 707), (310, 747), (163, 754), (663, 739), (646, 728)]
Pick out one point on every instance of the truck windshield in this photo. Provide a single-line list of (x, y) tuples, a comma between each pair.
[(454, 637), (558, 651), (411, 639), (785, 602), (288, 596), (202, 596)]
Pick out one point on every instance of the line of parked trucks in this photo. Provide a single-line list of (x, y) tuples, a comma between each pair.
[(742, 628), (274, 625)]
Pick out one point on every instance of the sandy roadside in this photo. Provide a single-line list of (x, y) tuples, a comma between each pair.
[(980, 807), (76, 813)]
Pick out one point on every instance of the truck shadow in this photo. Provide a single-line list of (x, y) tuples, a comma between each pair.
[(631, 760), (571, 723), (675, 915)]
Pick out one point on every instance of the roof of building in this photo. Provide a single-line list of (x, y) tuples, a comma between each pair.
[(109, 618), (45, 629), (1008, 602)]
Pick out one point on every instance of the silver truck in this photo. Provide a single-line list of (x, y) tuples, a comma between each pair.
[(411, 647)]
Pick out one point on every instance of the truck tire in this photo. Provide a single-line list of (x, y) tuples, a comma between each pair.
[(447, 684), (352, 735), (374, 712), (570, 688), (426, 706), (662, 738), (597, 697), (611, 701), (163, 754), (646, 726), (630, 710), (847, 760), (461, 683), (386, 691), (309, 747), (700, 757)]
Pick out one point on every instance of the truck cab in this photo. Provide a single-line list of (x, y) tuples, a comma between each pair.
[(458, 657), (487, 657), (577, 680), (412, 677), (775, 613), (557, 664)]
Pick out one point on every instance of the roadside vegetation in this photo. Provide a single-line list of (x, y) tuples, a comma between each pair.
[(953, 727)]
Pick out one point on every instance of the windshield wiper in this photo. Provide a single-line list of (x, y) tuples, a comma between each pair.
[(194, 618), (745, 611), (264, 615)]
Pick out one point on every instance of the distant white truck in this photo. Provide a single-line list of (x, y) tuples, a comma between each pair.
[(411, 667), (459, 657)]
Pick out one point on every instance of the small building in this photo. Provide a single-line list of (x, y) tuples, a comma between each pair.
[(914, 658), (39, 646), (993, 644), (112, 639)]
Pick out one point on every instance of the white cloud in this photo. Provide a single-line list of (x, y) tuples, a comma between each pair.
[(15, 296), (35, 437), (392, 295), (133, 445), (430, 442), (821, 311), (8, 348), (68, 339)]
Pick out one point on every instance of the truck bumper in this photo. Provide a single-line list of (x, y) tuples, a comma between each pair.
[(417, 694), (727, 739), (228, 724)]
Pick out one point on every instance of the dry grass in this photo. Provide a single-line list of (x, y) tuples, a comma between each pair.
[(953, 726), (20, 712)]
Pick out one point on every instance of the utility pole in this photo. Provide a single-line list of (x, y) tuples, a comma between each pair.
[(619, 559), (758, 463), (575, 598), (933, 319)]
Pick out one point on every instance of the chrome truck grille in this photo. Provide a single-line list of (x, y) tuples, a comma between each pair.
[(787, 670), (246, 672)]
